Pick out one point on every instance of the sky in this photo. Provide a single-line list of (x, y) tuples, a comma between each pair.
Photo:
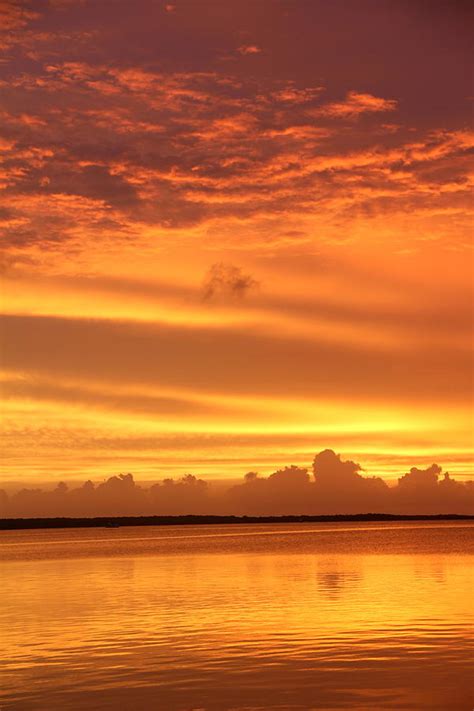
[(234, 234)]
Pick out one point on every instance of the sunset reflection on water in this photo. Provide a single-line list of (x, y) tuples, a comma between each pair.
[(195, 618)]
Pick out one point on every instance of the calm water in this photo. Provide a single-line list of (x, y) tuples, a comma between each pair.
[(320, 616)]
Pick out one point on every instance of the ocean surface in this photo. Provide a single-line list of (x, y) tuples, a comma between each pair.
[(209, 618)]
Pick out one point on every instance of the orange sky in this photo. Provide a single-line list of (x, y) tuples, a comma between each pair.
[(235, 233)]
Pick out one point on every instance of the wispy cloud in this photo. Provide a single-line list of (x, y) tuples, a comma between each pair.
[(356, 104), (249, 49)]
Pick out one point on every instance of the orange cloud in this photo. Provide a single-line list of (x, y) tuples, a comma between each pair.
[(356, 103), (14, 15), (188, 148), (249, 49)]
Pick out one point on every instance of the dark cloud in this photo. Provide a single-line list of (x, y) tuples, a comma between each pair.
[(171, 142), (118, 495), (337, 487), (15, 14), (423, 489), (225, 281), (287, 489)]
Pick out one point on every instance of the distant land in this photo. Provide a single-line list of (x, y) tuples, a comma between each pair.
[(117, 521)]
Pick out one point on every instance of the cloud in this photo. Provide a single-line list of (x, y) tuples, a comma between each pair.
[(104, 399), (131, 151), (117, 496), (418, 479), (423, 490), (177, 149), (225, 281), (249, 49), (356, 104), (159, 354), (287, 489), (329, 469), (337, 488), (15, 14)]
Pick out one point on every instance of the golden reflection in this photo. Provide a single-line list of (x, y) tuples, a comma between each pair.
[(302, 606)]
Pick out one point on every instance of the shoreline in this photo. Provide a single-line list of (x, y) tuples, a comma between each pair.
[(196, 520)]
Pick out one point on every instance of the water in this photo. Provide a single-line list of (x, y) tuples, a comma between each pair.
[(320, 616)]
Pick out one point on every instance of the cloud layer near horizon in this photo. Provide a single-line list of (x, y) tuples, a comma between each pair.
[(336, 486)]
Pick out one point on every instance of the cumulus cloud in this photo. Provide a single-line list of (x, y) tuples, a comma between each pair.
[(337, 487), (226, 281), (117, 496), (424, 489)]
